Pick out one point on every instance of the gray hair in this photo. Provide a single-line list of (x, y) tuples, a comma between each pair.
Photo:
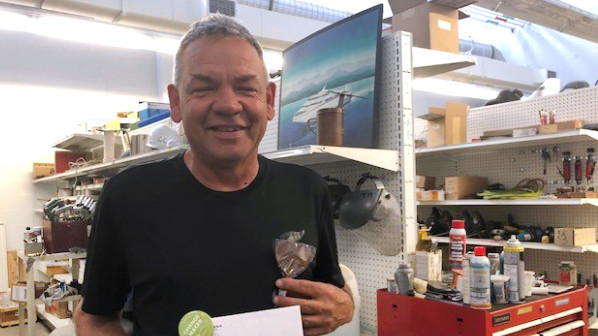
[(216, 26)]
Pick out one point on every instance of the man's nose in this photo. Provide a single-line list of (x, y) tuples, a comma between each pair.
[(227, 101)]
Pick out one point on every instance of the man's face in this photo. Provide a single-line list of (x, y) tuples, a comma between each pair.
[(223, 99)]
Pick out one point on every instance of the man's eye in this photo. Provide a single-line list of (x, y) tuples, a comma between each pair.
[(202, 89), (248, 89)]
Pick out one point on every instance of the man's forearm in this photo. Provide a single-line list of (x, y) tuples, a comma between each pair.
[(97, 325)]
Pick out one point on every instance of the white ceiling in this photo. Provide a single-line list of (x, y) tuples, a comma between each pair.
[(356, 6)]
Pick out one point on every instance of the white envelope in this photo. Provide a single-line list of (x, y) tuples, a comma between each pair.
[(271, 322)]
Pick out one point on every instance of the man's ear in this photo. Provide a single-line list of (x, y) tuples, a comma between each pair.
[(270, 95), (173, 96)]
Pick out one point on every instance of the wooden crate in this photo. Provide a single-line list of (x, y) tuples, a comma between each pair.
[(10, 316)]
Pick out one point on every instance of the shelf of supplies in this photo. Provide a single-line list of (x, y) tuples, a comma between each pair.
[(54, 321), (427, 63), (82, 142), (527, 245), (307, 155), (477, 147), (91, 187), (54, 256), (114, 165), (558, 201)]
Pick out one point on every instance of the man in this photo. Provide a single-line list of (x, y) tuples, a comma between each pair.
[(195, 232)]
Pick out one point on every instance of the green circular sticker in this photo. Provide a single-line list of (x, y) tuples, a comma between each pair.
[(196, 323)]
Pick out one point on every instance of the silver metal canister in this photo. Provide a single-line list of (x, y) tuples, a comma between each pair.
[(404, 278)]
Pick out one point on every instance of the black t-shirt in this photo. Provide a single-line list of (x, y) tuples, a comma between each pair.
[(181, 246)]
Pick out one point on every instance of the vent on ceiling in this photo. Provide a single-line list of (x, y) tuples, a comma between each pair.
[(226, 7)]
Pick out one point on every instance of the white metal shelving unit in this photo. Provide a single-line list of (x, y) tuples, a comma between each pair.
[(517, 202), (475, 148), (381, 158), (109, 168), (526, 245), (508, 160), (27, 274)]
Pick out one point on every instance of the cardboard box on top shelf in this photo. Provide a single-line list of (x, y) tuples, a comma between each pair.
[(43, 169), (574, 236), (62, 159), (460, 187), (447, 126), (432, 26)]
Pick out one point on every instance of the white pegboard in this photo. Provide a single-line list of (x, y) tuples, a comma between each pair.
[(578, 104), (508, 166), (395, 131)]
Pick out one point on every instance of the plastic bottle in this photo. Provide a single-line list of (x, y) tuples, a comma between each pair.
[(512, 257), (457, 244), (479, 289)]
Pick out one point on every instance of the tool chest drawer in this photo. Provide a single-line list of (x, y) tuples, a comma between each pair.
[(562, 314)]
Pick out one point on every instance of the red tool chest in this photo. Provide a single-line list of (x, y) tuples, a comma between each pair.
[(562, 314)]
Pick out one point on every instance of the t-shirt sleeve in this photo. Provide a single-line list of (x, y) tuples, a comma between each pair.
[(106, 281), (327, 268)]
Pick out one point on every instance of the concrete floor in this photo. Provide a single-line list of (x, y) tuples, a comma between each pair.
[(40, 330)]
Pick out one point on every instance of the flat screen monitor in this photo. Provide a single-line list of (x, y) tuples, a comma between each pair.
[(336, 67)]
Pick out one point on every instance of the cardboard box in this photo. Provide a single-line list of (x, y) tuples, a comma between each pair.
[(58, 309), (9, 316), (432, 26), (450, 125), (429, 195), (62, 159), (425, 182), (398, 6), (18, 292), (550, 128), (61, 236), (428, 265), (43, 169), (574, 236), (56, 269), (459, 187), (569, 125), (436, 134)]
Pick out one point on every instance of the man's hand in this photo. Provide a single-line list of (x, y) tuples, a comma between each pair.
[(97, 325), (324, 307)]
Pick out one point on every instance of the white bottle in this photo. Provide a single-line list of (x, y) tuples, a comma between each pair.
[(457, 244), (28, 235), (512, 266), (479, 290)]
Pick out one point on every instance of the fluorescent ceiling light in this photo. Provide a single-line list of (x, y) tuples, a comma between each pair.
[(78, 30), (456, 89)]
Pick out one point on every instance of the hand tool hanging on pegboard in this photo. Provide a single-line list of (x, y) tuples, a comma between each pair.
[(590, 165), (566, 172)]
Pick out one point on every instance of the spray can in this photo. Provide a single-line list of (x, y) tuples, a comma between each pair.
[(512, 257), (466, 282), (457, 245), (479, 289)]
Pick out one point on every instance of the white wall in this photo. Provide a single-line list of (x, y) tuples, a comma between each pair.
[(47, 87)]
